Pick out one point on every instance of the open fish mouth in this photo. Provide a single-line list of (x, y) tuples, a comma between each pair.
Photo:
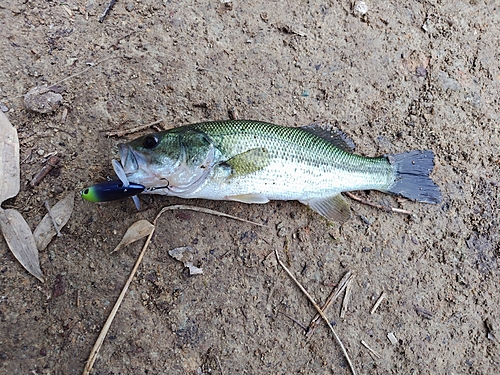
[(128, 159), (136, 168)]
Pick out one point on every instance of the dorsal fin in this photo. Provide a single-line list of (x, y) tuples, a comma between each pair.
[(331, 134)]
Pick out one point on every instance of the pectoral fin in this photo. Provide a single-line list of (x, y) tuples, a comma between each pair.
[(248, 198), (333, 208), (248, 162)]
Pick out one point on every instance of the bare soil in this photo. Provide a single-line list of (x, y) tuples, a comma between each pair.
[(406, 75)]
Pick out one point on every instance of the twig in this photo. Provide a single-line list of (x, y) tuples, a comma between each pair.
[(383, 208), (115, 45), (67, 10), (64, 79), (286, 249), (83, 71), (377, 304), (56, 227), (121, 133), (426, 314), (332, 297), (347, 297), (219, 364), (372, 352), (344, 351), (207, 211), (104, 331), (51, 163), (294, 320), (106, 11)]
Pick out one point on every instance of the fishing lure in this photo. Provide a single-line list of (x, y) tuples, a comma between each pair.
[(113, 190), (110, 191)]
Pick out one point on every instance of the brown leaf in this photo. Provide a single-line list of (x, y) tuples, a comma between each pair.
[(61, 213), (136, 231), (20, 240), (9, 159)]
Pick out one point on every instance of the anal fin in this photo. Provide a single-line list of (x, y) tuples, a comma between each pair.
[(249, 198), (334, 208)]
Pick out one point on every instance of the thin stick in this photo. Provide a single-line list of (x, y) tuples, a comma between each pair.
[(100, 339), (121, 133), (332, 297), (377, 304), (383, 208), (318, 310), (347, 297), (105, 329), (83, 71), (219, 364), (51, 163), (294, 320), (53, 220), (207, 211), (371, 350), (65, 79), (426, 314), (106, 11), (67, 10)]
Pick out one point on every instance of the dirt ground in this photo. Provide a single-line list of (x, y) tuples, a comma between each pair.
[(405, 75)]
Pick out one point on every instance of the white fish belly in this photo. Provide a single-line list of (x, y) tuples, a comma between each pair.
[(286, 181)]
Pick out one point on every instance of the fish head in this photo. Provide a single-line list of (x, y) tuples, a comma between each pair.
[(169, 162), (149, 160)]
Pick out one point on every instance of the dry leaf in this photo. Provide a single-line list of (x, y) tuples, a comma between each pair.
[(136, 231), (185, 255), (15, 230), (61, 213), (9, 160), (21, 242)]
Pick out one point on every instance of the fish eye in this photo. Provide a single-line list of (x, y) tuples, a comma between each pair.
[(150, 141)]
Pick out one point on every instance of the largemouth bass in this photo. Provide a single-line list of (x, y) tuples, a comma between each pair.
[(255, 162)]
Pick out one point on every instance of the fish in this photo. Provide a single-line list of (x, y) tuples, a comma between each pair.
[(255, 162)]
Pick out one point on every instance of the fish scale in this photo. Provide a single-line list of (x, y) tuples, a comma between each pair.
[(312, 163)]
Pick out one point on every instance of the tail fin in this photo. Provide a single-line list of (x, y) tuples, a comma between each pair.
[(412, 176)]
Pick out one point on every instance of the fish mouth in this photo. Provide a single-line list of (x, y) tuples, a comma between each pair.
[(129, 159), (136, 168)]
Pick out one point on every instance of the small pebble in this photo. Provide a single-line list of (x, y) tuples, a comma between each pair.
[(392, 338), (42, 100), (360, 9)]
